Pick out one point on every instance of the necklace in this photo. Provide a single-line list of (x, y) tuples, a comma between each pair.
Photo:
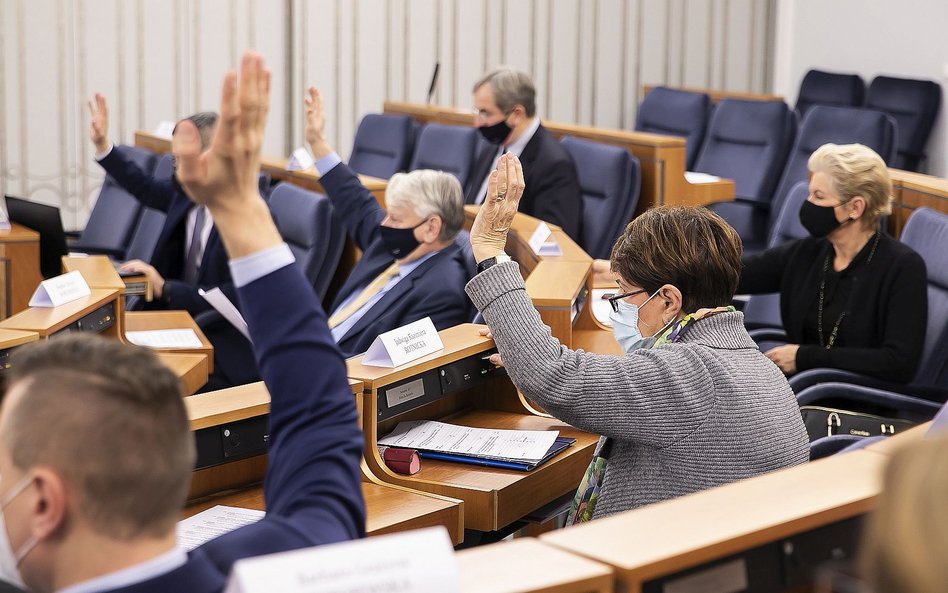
[(819, 312)]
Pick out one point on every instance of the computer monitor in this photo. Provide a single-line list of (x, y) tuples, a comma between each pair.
[(46, 221)]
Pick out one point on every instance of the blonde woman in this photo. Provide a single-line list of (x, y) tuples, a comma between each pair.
[(851, 297)]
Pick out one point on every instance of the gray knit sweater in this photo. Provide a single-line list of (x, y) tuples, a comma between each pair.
[(706, 410)]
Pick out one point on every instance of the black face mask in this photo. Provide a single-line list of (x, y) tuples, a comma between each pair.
[(400, 242), (819, 221), (496, 133)]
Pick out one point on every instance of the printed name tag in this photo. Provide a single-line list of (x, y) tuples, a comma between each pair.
[(165, 129), (300, 160), (542, 241), (60, 290), (420, 561), (405, 344)]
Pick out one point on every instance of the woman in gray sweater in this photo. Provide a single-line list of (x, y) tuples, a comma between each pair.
[(692, 405)]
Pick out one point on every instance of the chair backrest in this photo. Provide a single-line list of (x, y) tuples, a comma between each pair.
[(676, 113), (927, 233), (913, 104), (305, 220), (610, 180), (46, 221), (263, 184), (830, 88), (164, 166), (445, 148), (145, 236), (382, 145), (116, 212), (763, 310), (939, 423), (748, 141), (840, 125)]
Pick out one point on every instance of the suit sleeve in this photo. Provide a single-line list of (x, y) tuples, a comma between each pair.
[(312, 488), (904, 321), (150, 192), (353, 204)]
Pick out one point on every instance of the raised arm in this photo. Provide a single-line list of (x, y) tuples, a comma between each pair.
[(353, 203), (312, 487)]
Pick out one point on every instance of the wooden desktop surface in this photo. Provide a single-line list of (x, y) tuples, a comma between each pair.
[(11, 338), (717, 94), (191, 369), (692, 530), (48, 320), (99, 272), (20, 275), (526, 565), (911, 191)]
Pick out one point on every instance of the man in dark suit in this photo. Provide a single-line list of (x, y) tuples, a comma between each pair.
[(411, 267), (189, 254), (505, 115), (90, 498)]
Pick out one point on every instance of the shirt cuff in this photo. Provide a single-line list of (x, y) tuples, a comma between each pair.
[(245, 270), (327, 163), (101, 155)]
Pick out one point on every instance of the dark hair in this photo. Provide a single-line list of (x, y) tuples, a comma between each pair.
[(205, 121), (111, 419), (690, 248)]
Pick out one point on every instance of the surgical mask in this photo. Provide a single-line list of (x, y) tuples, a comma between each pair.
[(496, 133), (10, 560), (400, 242), (625, 326), (819, 221)]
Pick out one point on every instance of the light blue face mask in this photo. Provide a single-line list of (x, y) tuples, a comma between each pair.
[(625, 326)]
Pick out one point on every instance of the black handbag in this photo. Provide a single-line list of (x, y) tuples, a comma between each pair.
[(821, 422)]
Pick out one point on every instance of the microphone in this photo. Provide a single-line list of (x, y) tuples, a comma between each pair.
[(434, 81)]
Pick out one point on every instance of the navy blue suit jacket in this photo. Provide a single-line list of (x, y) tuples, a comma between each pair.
[(167, 196), (312, 488), (434, 289)]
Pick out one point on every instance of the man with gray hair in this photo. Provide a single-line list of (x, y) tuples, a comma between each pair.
[(411, 267), (505, 115)]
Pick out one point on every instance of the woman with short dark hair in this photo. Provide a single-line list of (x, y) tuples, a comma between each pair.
[(693, 404)]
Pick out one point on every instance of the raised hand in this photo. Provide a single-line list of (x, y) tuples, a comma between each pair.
[(99, 124), (504, 190), (224, 178), (316, 124)]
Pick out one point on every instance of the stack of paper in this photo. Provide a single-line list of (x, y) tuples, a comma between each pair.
[(215, 521)]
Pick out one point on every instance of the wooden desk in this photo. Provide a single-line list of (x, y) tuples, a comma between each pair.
[(100, 273), (915, 190), (163, 320), (10, 340), (389, 508), (97, 313), (191, 369), (19, 268), (661, 158), (777, 526), (463, 388), (526, 565), (716, 95)]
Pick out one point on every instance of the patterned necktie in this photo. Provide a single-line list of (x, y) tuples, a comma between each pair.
[(193, 263), (367, 293)]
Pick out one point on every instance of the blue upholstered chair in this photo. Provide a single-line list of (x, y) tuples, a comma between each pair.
[(115, 213), (763, 310), (610, 180), (748, 141), (305, 220), (676, 113), (164, 166), (445, 148), (927, 233), (830, 88), (840, 125), (145, 236), (383, 145), (914, 104)]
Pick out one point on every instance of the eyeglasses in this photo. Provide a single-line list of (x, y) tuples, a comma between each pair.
[(615, 298)]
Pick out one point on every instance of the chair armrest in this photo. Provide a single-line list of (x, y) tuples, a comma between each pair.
[(768, 334), (811, 377), (839, 394), (833, 444)]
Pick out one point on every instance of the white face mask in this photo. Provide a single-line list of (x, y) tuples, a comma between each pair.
[(10, 560), (625, 325)]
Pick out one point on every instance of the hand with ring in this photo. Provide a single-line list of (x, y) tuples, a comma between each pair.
[(504, 190)]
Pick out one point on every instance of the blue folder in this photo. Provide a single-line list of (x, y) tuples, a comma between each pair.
[(560, 444)]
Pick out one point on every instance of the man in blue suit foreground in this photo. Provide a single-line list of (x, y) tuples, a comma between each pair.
[(411, 267), (95, 447)]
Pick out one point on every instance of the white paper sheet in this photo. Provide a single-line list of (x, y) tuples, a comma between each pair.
[(165, 338), (215, 521), (696, 177), (222, 305), (600, 306), (488, 443)]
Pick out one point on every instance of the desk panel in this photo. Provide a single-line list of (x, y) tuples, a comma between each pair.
[(20, 273)]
